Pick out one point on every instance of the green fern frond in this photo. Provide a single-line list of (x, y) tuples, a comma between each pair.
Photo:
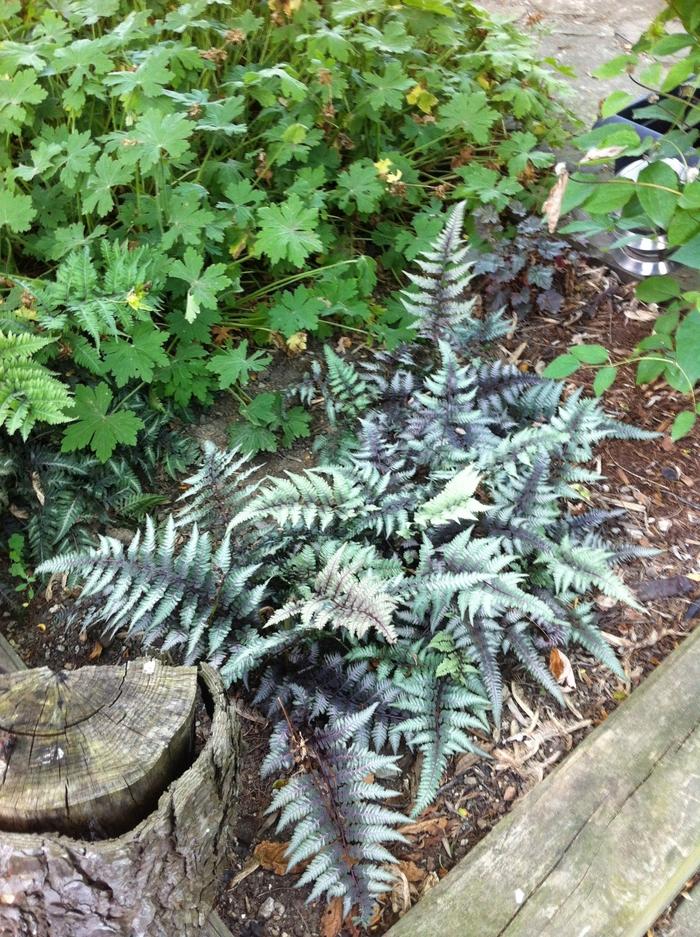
[(29, 392)]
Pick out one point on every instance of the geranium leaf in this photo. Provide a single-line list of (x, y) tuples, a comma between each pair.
[(97, 428)]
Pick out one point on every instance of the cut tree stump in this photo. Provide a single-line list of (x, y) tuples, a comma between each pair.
[(603, 845), (108, 823)]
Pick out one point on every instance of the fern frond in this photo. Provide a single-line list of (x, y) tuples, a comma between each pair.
[(351, 393), (343, 599), (440, 715), (215, 493), (316, 499), (187, 597), (29, 392), (574, 566), (454, 502), (339, 819)]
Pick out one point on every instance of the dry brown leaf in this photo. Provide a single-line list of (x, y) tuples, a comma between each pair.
[(434, 825), (38, 490), (400, 894), (552, 206), (561, 668), (270, 856), (465, 762), (413, 872), (640, 314), (431, 880), (96, 651), (332, 918)]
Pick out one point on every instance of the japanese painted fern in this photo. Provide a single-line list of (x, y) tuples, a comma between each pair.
[(374, 600)]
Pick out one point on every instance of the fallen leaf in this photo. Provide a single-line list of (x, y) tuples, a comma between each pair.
[(296, 343), (38, 490), (96, 651), (270, 856), (560, 665), (332, 919), (251, 865), (413, 872), (552, 206), (465, 762), (435, 825), (431, 880), (639, 314), (400, 894)]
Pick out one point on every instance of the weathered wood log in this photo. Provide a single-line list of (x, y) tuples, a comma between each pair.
[(602, 846), (116, 741), (9, 658)]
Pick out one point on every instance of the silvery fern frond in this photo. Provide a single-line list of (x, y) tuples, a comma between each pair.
[(439, 717), (351, 394), (314, 500), (185, 595), (582, 568), (439, 298), (344, 596), (338, 815), (329, 689), (216, 491)]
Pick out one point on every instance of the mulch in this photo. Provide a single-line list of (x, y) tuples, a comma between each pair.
[(658, 485)]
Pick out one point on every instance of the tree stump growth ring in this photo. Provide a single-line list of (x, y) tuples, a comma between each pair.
[(125, 734)]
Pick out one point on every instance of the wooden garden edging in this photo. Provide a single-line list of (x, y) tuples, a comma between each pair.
[(686, 919), (600, 847)]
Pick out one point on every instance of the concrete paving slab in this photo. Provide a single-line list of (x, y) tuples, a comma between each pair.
[(583, 34)]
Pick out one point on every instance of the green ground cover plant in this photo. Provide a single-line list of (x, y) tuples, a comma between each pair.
[(665, 199), (180, 185), (370, 605)]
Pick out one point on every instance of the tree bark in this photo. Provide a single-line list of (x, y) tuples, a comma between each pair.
[(159, 877)]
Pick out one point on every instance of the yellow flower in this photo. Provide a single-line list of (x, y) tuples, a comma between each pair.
[(382, 166), (393, 177), (135, 298), (420, 97)]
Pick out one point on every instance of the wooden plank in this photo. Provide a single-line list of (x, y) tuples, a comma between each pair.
[(686, 919), (602, 846), (9, 658)]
